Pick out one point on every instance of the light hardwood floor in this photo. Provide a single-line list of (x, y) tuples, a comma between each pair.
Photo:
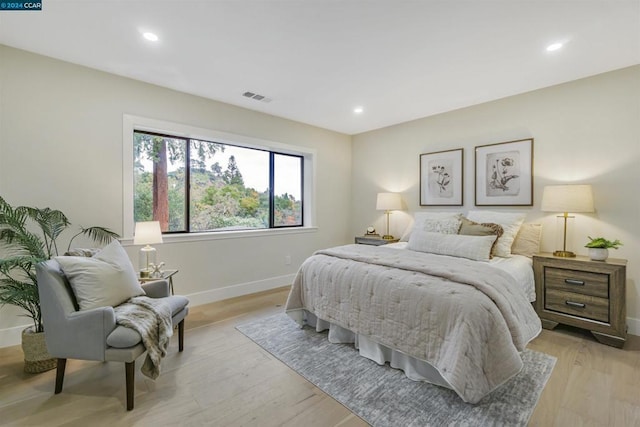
[(223, 379)]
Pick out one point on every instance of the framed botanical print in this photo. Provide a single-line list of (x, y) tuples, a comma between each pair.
[(504, 174), (441, 178)]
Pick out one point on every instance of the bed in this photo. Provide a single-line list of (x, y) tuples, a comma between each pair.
[(450, 320)]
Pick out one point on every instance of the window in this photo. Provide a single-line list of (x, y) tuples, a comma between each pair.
[(195, 185)]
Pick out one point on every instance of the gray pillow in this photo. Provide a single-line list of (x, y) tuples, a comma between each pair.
[(106, 279)]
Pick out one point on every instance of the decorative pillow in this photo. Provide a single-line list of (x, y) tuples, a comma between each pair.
[(421, 217), (477, 248), (471, 228), (106, 279), (527, 241), (443, 226), (510, 223), (82, 252)]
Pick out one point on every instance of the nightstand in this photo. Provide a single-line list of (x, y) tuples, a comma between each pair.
[(583, 293), (375, 241), (166, 275)]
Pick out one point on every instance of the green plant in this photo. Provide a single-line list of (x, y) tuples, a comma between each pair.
[(602, 243), (28, 236)]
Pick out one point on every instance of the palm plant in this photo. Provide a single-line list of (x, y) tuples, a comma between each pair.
[(28, 236)]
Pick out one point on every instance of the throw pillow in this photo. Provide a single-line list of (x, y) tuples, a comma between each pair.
[(421, 217), (471, 228), (527, 241), (510, 223), (477, 248), (106, 279)]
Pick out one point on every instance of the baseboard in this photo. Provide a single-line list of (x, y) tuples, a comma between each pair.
[(219, 294), (13, 336), (633, 326)]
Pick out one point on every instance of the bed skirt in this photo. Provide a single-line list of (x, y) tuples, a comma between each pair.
[(414, 369)]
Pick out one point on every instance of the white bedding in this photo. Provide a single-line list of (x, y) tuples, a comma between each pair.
[(450, 321), (519, 266)]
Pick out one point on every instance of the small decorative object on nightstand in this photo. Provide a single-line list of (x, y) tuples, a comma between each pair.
[(375, 241), (582, 293)]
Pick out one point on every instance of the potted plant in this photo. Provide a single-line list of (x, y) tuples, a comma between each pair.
[(599, 247), (28, 236)]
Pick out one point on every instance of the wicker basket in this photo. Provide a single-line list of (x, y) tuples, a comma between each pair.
[(36, 357)]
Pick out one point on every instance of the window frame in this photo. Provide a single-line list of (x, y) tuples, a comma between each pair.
[(174, 130)]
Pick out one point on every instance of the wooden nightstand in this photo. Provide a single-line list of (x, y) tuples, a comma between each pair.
[(583, 293), (375, 241)]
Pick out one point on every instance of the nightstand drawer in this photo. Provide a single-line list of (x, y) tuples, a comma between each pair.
[(585, 306), (581, 282)]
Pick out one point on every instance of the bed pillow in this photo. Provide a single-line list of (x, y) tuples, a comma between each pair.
[(106, 279), (472, 228), (436, 221), (477, 248), (510, 223), (527, 241)]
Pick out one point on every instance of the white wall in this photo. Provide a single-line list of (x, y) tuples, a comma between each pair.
[(61, 146), (586, 131)]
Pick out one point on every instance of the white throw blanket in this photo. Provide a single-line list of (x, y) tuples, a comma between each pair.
[(151, 318), (463, 317)]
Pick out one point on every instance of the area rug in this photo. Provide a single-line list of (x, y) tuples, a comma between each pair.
[(383, 396)]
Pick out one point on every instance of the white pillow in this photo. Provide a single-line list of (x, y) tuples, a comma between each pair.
[(527, 241), (433, 217), (510, 223), (477, 248), (106, 279)]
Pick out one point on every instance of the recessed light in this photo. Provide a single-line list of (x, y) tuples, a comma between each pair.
[(358, 110), (554, 46), (150, 36)]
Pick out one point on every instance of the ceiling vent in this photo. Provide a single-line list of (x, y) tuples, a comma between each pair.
[(256, 96)]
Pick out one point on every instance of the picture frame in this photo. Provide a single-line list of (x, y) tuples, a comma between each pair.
[(504, 173), (442, 178)]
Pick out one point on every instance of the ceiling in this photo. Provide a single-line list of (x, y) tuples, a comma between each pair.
[(319, 59)]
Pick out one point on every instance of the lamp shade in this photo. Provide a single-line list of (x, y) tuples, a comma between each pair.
[(389, 202), (147, 233), (567, 198)]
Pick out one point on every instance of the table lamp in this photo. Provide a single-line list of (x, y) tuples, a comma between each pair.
[(567, 198), (147, 233), (388, 202)]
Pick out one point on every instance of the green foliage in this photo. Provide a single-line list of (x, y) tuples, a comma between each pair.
[(22, 248), (602, 243)]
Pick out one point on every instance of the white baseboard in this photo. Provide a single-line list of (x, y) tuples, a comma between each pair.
[(13, 336), (219, 294), (633, 326)]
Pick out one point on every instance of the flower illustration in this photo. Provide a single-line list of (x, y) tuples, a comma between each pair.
[(443, 179), (500, 175)]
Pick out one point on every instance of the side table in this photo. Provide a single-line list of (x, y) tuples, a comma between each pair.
[(375, 241), (166, 275)]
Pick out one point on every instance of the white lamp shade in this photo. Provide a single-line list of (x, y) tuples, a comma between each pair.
[(389, 202), (147, 233), (567, 198)]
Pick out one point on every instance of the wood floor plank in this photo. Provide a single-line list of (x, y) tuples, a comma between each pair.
[(224, 379)]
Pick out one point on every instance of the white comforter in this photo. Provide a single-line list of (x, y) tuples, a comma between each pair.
[(465, 318)]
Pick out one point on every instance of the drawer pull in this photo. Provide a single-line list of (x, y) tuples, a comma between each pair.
[(575, 304), (574, 282)]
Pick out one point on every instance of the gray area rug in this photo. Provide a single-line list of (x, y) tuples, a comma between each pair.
[(383, 396)]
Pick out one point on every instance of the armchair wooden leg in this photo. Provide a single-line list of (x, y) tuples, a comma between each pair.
[(62, 364), (181, 335), (130, 374)]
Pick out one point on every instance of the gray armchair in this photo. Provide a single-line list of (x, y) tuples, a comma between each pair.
[(93, 334)]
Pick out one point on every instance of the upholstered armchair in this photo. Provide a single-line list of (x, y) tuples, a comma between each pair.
[(92, 334)]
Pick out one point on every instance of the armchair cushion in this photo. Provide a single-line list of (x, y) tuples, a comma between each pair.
[(123, 337), (106, 279)]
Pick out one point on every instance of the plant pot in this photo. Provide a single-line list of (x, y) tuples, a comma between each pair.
[(598, 254), (36, 356)]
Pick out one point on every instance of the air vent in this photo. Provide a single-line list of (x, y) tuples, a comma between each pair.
[(256, 96)]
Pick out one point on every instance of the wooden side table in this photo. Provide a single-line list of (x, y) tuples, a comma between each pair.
[(582, 293), (375, 241), (166, 275)]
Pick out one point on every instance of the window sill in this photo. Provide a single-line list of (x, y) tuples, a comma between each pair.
[(223, 235)]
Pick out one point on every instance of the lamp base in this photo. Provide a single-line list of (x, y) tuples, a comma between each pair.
[(388, 237), (564, 254)]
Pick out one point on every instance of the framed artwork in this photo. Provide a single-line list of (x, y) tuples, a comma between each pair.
[(504, 174), (441, 178)]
